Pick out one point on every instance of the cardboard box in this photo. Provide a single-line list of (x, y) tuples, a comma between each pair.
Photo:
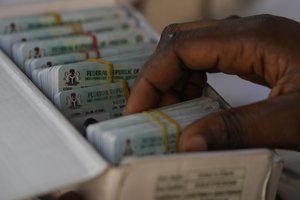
[(40, 151)]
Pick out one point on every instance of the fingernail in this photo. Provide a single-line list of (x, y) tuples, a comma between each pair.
[(195, 143)]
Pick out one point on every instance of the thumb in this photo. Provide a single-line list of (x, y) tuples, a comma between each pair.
[(220, 130), (271, 123)]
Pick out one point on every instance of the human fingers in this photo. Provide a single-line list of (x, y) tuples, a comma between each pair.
[(181, 27), (189, 87), (188, 26), (272, 123), (165, 67), (151, 93), (262, 49)]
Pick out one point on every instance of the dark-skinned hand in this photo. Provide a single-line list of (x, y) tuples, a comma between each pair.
[(263, 49)]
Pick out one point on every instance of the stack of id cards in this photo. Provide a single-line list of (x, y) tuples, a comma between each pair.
[(150, 133), (84, 60)]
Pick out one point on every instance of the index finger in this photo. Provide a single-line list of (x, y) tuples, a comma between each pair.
[(152, 82)]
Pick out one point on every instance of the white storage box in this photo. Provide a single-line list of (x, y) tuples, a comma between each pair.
[(40, 151)]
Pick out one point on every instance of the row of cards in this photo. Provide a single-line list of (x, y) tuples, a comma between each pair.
[(83, 61)]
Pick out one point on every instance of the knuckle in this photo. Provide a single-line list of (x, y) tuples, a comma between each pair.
[(232, 129), (261, 22), (169, 35), (267, 17), (267, 20), (170, 29), (170, 32)]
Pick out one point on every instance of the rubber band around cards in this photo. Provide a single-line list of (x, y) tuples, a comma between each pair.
[(165, 130), (94, 39), (125, 90), (172, 121), (97, 51), (56, 16), (87, 55), (109, 64)]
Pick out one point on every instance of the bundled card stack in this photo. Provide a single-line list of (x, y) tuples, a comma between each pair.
[(81, 60), (148, 133)]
